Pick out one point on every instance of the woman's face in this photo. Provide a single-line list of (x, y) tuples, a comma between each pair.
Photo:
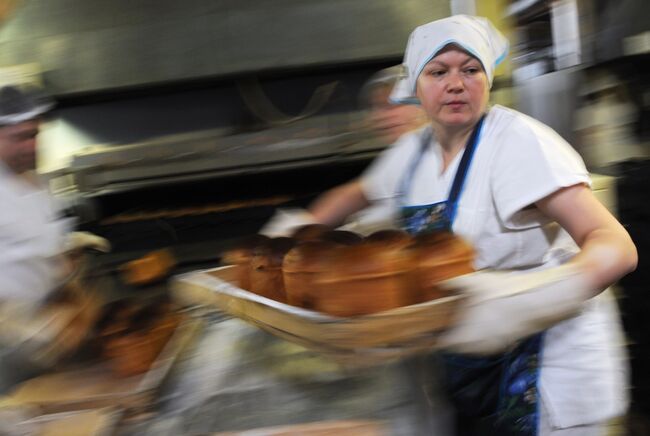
[(453, 89)]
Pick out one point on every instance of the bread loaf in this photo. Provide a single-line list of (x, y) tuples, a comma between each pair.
[(240, 255), (342, 237), (390, 237), (436, 257), (302, 265), (364, 279), (133, 335), (309, 232), (266, 268)]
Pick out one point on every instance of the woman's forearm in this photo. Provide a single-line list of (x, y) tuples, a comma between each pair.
[(334, 206), (606, 255)]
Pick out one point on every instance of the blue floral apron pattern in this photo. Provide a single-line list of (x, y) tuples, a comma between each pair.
[(500, 389)]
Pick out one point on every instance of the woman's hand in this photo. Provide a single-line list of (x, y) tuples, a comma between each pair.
[(334, 206), (504, 307), (331, 209)]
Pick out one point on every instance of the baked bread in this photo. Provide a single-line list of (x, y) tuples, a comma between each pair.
[(364, 279), (309, 232), (133, 335), (266, 268), (148, 269), (302, 265), (390, 237), (135, 351), (240, 256), (339, 273), (436, 257), (342, 237)]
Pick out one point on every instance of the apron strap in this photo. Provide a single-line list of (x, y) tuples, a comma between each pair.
[(463, 168), (459, 177)]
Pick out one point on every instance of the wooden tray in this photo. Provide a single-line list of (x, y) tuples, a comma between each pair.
[(91, 387), (99, 422), (389, 334), (323, 428)]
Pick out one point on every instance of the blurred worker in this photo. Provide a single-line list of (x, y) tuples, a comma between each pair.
[(537, 348), (33, 236), (388, 121)]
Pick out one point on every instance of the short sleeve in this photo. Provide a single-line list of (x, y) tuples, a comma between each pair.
[(532, 161), (383, 177)]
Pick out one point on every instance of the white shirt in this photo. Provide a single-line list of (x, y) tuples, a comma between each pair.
[(31, 238), (518, 161)]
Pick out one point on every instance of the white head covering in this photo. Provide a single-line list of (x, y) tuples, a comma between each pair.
[(476, 35)]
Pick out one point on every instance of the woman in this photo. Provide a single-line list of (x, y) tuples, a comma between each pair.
[(520, 194)]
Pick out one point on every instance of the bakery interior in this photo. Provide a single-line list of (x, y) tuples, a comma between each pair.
[(180, 127)]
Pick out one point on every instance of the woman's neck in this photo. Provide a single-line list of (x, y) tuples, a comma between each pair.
[(452, 141)]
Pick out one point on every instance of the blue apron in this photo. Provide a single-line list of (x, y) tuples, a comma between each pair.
[(496, 395)]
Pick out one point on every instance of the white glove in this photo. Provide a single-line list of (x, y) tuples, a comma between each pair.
[(80, 240), (284, 221), (503, 307)]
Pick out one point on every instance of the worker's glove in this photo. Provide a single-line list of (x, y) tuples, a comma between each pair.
[(77, 241), (503, 307), (285, 221)]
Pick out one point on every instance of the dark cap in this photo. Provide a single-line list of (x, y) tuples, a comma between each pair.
[(22, 104)]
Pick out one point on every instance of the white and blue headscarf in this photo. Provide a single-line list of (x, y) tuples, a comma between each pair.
[(476, 35)]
